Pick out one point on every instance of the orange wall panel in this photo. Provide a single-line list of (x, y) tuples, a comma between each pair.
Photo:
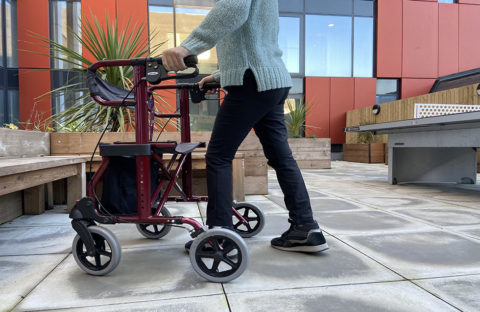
[(365, 92), (414, 87), (469, 45), (135, 13), (447, 39), (32, 16), (341, 100), (317, 96), (420, 39), (389, 38), (31, 85), (101, 10)]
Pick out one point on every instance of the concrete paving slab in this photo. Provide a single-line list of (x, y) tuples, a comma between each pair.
[(183, 209), (472, 232), (142, 275), (215, 303), (35, 240), (393, 297), (366, 222), (20, 274), (270, 268), (395, 202), (462, 291), (253, 198), (445, 217), (57, 216), (422, 254), (333, 205)]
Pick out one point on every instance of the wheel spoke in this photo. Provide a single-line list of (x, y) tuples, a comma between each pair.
[(205, 253), (230, 263), (155, 227), (215, 265), (98, 262), (105, 253), (245, 214)]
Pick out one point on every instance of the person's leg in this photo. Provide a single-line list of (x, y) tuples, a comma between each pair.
[(304, 233), (272, 133), (241, 109)]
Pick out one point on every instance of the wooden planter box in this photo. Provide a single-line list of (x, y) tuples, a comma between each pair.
[(364, 153)]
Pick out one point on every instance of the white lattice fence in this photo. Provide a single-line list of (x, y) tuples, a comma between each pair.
[(430, 110)]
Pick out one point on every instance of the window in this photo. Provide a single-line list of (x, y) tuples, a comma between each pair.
[(64, 15), (171, 24), (447, 1), (328, 50), (387, 90), (363, 47), (289, 42), (9, 104)]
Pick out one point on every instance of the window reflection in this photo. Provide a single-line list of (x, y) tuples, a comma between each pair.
[(289, 42), (161, 26), (65, 15), (328, 46), (363, 47), (11, 33), (387, 90)]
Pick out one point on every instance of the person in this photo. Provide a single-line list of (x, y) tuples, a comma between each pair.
[(257, 82)]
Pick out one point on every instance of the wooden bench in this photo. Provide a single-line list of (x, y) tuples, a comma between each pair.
[(26, 169)]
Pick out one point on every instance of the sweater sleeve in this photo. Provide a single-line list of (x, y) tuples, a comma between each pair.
[(216, 75), (224, 18)]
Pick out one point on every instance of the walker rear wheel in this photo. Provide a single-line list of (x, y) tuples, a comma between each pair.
[(155, 231), (107, 252), (254, 217), (219, 255)]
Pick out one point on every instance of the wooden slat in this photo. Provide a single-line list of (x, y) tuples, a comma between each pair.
[(17, 182), (22, 165), (11, 206), (34, 200), (405, 108)]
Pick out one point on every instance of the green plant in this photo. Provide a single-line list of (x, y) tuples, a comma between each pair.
[(295, 118), (102, 43)]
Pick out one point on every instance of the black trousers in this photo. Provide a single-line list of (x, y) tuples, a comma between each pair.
[(243, 109)]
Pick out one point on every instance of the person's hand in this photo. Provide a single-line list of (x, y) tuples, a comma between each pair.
[(172, 59), (205, 80)]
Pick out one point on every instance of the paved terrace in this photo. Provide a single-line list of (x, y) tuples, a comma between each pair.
[(392, 248)]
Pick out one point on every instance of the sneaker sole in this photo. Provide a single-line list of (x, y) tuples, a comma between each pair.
[(316, 248)]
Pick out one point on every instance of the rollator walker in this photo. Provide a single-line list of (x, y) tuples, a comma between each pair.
[(217, 254)]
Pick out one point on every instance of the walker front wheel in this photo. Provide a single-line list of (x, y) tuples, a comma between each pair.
[(253, 219), (155, 231), (107, 252), (219, 255)]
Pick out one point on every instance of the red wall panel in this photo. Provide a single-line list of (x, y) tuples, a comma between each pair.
[(414, 87), (341, 100), (365, 92), (420, 39), (469, 43), (469, 1), (32, 84), (32, 16), (447, 39), (317, 96), (389, 38)]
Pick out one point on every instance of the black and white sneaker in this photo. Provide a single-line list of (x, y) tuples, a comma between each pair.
[(301, 237)]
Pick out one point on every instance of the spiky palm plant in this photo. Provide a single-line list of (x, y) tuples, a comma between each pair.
[(295, 119), (103, 43)]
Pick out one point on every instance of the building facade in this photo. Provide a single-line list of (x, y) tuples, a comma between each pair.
[(342, 54)]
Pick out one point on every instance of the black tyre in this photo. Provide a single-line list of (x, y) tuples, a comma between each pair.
[(155, 231), (254, 217), (219, 255), (107, 252)]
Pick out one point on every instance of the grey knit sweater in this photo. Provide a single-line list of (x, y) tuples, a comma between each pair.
[(246, 35)]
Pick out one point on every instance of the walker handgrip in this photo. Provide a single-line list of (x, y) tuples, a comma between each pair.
[(191, 61), (211, 85)]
